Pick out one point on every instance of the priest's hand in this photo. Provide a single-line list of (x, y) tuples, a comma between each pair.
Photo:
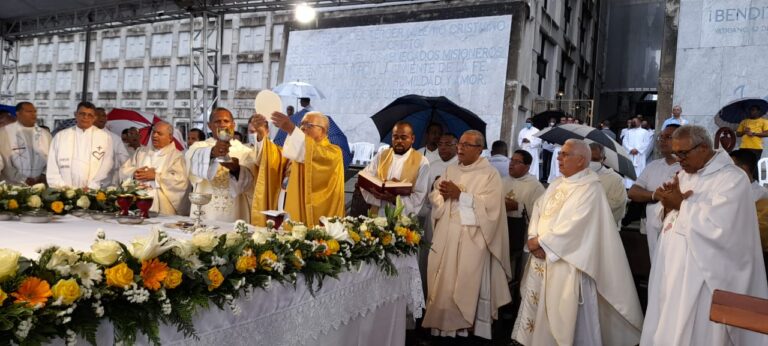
[(449, 190), (384, 196), (283, 122), (30, 181), (221, 148), (144, 174), (633, 152), (258, 125), (535, 248), (670, 195), (511, 204), (233, 166)]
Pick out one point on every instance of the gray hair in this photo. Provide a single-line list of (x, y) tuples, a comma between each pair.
[(479, 137), (697, 134), (159, 124), (599, 147), (323, 119), (580, 148)]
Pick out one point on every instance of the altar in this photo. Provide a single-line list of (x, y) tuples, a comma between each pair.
[(364, 306)]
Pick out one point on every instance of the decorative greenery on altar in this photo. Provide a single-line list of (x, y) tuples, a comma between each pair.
[(67, 293), (21, 198)]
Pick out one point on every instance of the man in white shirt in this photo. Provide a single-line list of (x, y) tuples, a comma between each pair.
[(612, 182), (82, 155), (500, 158), (747, 161), (402, 163), (638, 143), (162, 168), (120, 152), (528, 142), (230, 182), (654, 176), (24, 148)]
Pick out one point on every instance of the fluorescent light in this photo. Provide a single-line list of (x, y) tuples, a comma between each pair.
[(305, 13)]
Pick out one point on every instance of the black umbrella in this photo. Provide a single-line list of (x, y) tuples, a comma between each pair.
[(616, 156), (736, 111), (541, 120), (420, 111)]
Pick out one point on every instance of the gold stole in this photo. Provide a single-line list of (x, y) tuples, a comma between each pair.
[(269, 177), (409, 174), (316, 187)]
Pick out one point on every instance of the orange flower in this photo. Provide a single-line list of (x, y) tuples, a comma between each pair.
[(12, 204), (153, 272), (267, 259), (386, 239), (412, 238), (57, 207), (246, 263), (401, 231), (215, 277), (33, 291), (331, 247), (101, 196)]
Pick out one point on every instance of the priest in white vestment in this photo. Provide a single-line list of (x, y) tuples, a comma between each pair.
[(431, 139), (638, 143), (709, 241), (24, 148), (469, 263), (161, 167), (612, 182), (230, 183), (82, 155), (747, 161), (554, 170), (399, 162), (577, 288), (121, 154), (521, 189), (530, 143)]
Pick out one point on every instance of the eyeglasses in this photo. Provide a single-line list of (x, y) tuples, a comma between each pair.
[(307, 126), (683, 154), (468, 145)]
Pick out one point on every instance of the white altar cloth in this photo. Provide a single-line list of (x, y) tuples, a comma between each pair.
[(362, 307)]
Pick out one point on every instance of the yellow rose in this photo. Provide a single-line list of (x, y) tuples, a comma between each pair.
[(101, 196), (9, 263), (246, 263), (119, 275), (57, 207), (367, 235), (331, 247), (298, 263), (354, 236), (214, 275), (3, 295), (386, 239), (66, 290), (173, 279), (266, 259), (105, 252), (401, 231), (12, 204)]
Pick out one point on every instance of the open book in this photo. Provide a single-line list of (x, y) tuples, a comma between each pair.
[(371, 182)]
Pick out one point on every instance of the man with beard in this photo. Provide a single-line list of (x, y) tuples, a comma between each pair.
[(399, 163), (24, 148)]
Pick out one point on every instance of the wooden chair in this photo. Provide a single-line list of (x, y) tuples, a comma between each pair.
[(740, 311)]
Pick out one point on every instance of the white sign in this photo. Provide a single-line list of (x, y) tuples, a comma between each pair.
[(360, 70), (157, 103), (131, 104), (734, 23)]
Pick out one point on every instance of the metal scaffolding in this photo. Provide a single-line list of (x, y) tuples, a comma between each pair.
[(8, 71), (206, 36)]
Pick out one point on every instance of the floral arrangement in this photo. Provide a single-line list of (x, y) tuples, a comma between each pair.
[(67, 293), (21, 198)]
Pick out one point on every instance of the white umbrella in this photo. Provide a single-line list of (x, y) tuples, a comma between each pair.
[(298, 90)]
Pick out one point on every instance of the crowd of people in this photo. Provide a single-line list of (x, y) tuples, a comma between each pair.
[(574, 286)]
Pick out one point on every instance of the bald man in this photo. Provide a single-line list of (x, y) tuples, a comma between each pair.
[(161, 167)]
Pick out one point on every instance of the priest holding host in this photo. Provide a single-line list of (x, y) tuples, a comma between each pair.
[(577, 287), (314, 167), (223, 168), (400, 163), (24, 148), (162, 168), (469, 263), (81, 156)]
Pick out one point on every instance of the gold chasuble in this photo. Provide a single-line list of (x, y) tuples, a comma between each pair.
[(269, 177), (409, 174)]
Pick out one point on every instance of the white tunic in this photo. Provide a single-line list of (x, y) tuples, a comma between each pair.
[(412, 202), (431, 155), (80, 158), (554, 169), (532, 147), (613, 184), (501, 163), (121, 155), (638, 139), (231, 196), (711, 243), (758, 191), (169, 189), (526, 190), (24, 151), (656, 174)]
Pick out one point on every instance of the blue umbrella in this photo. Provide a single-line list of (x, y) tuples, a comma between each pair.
[(335, 135), (9, 108), (420, 111), (738, 110)]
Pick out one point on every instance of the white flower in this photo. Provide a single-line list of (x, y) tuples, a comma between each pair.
[(184, 249), (233, 238), (37, 188), (241, 226), (136, 294), (89, 273), (363, 228), (34, 201), (70, 194), (105, 252), (299, 232), (98, 309), (9, 263), (24, 327), (405, 220), (83, 202), (61, 259), (112, 189), (128, 183), (151, 246), (380, 221), (100, 234), (205, 240), (260, 237), (335, 229)]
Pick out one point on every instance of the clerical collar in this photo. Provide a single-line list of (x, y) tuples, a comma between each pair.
[(78, 129), (581, 174)]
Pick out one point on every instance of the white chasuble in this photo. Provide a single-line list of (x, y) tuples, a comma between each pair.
[(24, 151), (80, 158), (169, 189)]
